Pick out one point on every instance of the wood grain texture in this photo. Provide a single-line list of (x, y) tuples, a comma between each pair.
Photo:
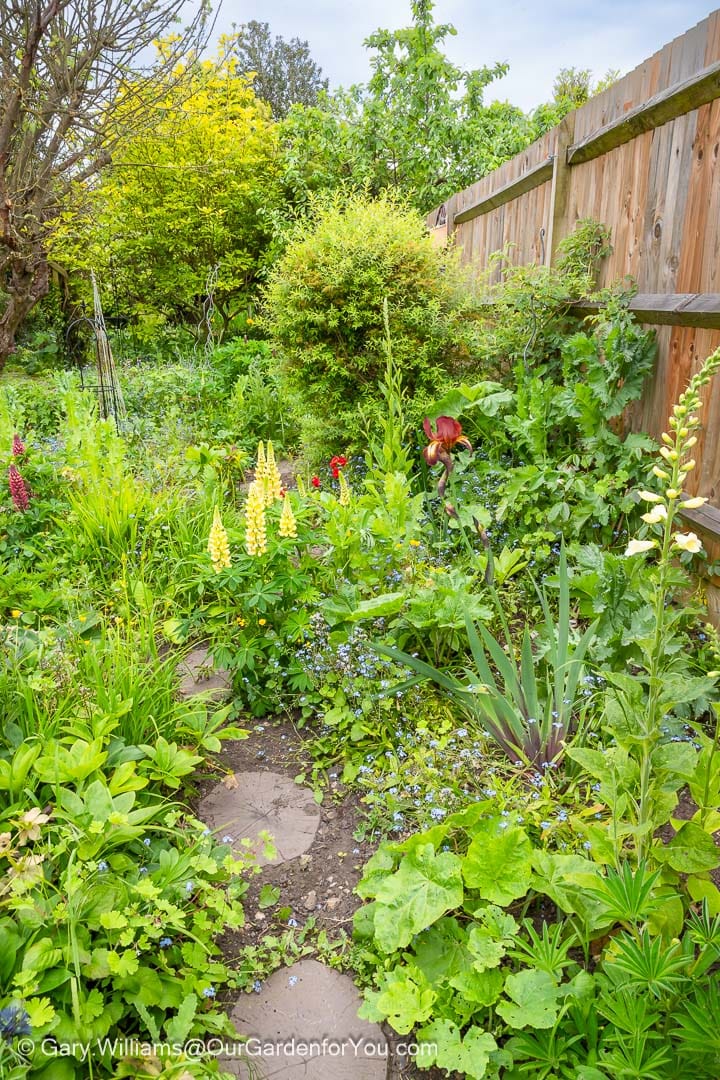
[(682, 98), (534, 177), (700, 310)]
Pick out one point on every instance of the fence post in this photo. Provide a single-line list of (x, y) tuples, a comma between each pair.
[(560, 190)]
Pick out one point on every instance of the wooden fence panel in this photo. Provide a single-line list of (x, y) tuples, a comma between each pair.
[(644, 160)]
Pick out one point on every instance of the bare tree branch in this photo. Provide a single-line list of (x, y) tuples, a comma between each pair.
[(64, 65)]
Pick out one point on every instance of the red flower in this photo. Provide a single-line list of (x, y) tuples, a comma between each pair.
[(18, 491), (336, 464), (315, 481), (18, 446), (447, 436)]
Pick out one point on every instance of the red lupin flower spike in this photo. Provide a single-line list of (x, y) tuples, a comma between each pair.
[(18, 491)]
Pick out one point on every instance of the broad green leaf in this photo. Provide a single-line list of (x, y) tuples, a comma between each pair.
[(611, 766), (481, 988), (98, 801), (93, 1005), (668, 918), (489, 938), (684, 689), (364, 922), (125, 963), (40, 1012), (499, 863), (269, 895), (104, 896), (434, 835), (424, 887), (58, 1069), (484, 949), (581, 987), (174, 631), (113, 920), (444, 1046), (377, 868), (178, 1028), (40, 955), (701, 888), (405, 999), (564, 878), (678, 759), (10, 950), (441, 952), (377, 606), (534, 999), (691, 850), (470, 815)]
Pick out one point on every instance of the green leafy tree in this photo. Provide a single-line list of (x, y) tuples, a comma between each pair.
[(421, 124), (315, 156), (285, 73), (571, 89), (185, 207)]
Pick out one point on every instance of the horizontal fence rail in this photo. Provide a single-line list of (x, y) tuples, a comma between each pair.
[(533, 178), (701, 310), (699, 89)]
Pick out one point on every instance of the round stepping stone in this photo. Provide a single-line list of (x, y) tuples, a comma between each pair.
[(303, 1025), (263, 801), (200, 676)]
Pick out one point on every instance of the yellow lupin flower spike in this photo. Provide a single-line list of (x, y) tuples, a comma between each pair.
[(218, 546), (261, 465), (344, 498), (255, 531), (288, 524), (273, 480)]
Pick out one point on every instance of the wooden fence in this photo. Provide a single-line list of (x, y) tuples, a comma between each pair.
[(643, 158)]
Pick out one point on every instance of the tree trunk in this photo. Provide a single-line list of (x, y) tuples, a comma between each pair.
[(27, 282)]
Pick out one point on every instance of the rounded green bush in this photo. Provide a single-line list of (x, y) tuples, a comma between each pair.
[(324, 311)]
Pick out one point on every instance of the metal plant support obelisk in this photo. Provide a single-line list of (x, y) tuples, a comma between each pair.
[(110, 398)]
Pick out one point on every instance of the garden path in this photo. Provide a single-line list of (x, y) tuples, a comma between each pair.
[(302, 1021)]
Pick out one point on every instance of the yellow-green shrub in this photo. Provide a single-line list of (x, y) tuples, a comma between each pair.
[(324, 310)]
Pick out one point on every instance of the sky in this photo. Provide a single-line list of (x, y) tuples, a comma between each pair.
[(535, 39)]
